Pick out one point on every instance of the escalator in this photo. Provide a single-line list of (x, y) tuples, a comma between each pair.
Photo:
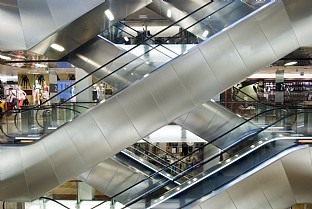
[(214, 173), (134, 111)]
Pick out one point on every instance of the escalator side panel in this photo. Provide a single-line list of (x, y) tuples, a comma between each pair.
[(217, 60), (280, 32), (119, 121), (300, 16), (248, 39), (202, 84), (177, 94)]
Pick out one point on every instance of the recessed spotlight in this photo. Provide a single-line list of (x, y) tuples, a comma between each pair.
[(40, 65), (57, 47), (205, 34), (290, 63), (109, 15), (169, 13), (5, 57), (126, 38)]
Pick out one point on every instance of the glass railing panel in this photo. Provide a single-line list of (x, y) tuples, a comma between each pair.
[(257, 149), (30, 123), (226, 154)]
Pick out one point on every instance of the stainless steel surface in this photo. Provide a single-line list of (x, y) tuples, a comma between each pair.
[(300, 16), (118, 124), (111, 177), (12, 37), (246, 197), (220, 64), (85, 139), (26, 13), (281, 184), (87, 26), (66, 149), (281, 31), (280, 196), (38, 170), (138, 106), (138, 112), (175, 93), (253, 47), (222, 200), (298, 169), (195, 76), (12, 177)]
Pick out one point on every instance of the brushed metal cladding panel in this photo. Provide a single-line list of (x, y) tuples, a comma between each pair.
[(299, 13), (174, 98), (134, 5), (181, 119), (298, 169), (61, 13), (247, 194), (252, 44), (123, 179), (40, 175), (60, 147), (221, 200), (91, 56), (35, 32), (13, 186), (118, 124), (275, 185), (277, 27), (199, 119), (196, 207), (224, 60), (142, 108), (92, 3), (11, 34), (101, 175), (196, 76), (92, 145)]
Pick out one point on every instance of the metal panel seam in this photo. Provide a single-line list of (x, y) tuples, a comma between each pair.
[(292, 189), (291, 23), (101, 131), (76, 148), (51, 162), (130, 118), (156, 102), (208, 64), (231, 199), (259, 185), (24, 173), (188, 93), (237, 50), (188, 114), (266, 37), (113, 176)]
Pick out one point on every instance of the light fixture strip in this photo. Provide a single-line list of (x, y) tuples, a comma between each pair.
[(109, 15), (57, 47)]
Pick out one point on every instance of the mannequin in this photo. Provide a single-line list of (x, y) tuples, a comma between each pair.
[(45, 92), (102, 92), (36, 92), (72, 94), (21, 96)]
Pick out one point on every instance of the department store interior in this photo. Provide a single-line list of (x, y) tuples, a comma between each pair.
[(52, 81)]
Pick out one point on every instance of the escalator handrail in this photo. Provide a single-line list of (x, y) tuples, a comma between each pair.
[(190, 169), (171, 164), (122, 67)]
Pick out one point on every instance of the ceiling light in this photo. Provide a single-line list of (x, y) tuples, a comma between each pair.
[(205, 34), (58, 47), (5, 57), (290, 63), (169, 13), (109, 15), (126, 38), (40, 65)]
